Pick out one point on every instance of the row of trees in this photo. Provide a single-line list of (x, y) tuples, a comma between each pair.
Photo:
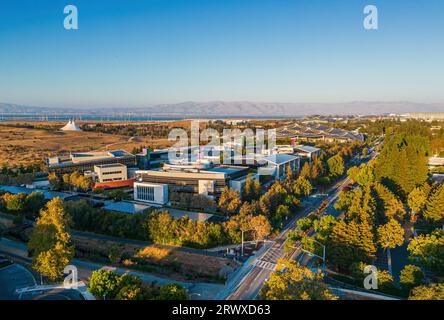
[(21, 204), (70, 181), (105, 284)]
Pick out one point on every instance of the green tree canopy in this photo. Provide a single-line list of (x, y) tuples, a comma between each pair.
[(434, 209), (50, 240), (428, 250), (173, 291), (431, 292), (391, 234), (293, 282), (411, 276)]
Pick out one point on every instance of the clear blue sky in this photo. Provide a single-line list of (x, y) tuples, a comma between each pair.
[(141, 52)]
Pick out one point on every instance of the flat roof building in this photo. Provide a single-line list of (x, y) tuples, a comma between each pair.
[(307, 151), (48, 195), (155, 186), (84, 161), (111, 172), (277, 165)]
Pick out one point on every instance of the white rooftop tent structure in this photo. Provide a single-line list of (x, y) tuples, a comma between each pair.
[(71, 126)]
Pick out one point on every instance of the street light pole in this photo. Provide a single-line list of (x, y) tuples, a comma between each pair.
[(323, 253), (242, 246)]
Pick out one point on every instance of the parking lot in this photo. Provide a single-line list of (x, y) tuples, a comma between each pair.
[(54, 294), (13, 277)]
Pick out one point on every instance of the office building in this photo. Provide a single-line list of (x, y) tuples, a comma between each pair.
[(85, 161), (200, 178)]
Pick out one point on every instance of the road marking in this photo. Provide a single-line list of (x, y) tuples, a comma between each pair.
[(265, 265)]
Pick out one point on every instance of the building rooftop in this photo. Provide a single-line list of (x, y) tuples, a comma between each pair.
[(125, 207), (316, 130), (49, 195), (226, 169), (436, 161), (308, 149), (195, 216), (82, 157), (280, 158), (111, 165)]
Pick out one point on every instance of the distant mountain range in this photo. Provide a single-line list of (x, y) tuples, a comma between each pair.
[(235, 109)]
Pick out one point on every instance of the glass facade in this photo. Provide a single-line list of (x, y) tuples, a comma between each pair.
[(145, 193)]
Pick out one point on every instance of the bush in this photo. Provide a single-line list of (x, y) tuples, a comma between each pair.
[(173, 291)]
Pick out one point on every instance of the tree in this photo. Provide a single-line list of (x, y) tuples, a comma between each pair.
[(173, 291), (305, 171), (391, 234), (249, 208), (15, 202), (54, 181), (291, 281), (402, 164), (434, 209), (248, 192), (428, 250), (417, 199), (364, 175), (33, 204), (229, 201), (323, 228), (50, 240), (260, 226), (302, 187), (304, 224), (243, 222), (129, 288), (411, 276), (271, 200), (115, 255), (118, 195), (51, 263), (336, 166), (434, 291), (391, 206), (350, 242), (104, 284), (257, 188), (288, 173)]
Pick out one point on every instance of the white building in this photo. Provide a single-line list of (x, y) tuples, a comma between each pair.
[(307, 151), (154, 193), (277, 165), (111, 172)]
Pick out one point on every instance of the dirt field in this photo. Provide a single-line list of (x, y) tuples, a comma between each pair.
[(158, 259), (24, 143), (23, 146)]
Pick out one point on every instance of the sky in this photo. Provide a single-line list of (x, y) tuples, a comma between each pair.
[(134, 53)]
